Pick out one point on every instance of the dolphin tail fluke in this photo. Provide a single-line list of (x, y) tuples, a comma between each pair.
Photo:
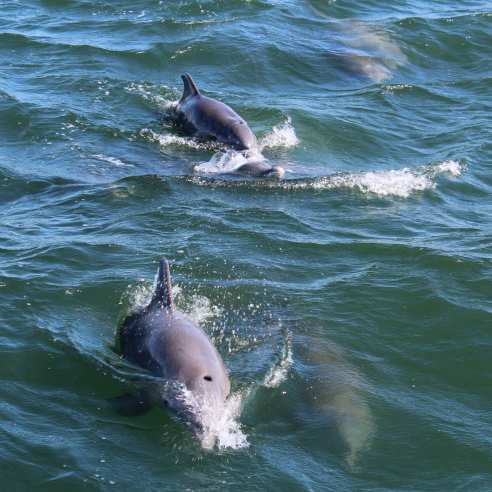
[(189, 87), (163, 293)]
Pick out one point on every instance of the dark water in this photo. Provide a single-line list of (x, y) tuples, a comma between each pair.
[(351, 302)]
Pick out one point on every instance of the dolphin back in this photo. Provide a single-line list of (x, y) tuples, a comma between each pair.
[(189, 87), (163, 294)]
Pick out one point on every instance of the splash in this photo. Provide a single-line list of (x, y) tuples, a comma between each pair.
[(227, 162), (278, 372), (215, 423), (221, 426), (148, 93), (282, 135), (168, 139), (199, 308), (452, 167), (138, 297)]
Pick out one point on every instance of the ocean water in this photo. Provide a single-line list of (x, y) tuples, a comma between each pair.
[(351, 301)]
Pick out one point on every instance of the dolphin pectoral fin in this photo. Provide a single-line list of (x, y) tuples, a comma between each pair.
[(129, 405), (189, 87)]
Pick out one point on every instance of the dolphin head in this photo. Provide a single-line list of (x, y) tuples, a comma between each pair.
[(210, 399), (241, 136), (208, 385)]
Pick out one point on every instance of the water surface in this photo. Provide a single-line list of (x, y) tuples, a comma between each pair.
[(351, 301)]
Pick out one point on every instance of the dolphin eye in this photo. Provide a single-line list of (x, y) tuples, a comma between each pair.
[(207, 378)]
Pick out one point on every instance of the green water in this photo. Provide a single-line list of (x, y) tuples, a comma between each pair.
[(351, 301)]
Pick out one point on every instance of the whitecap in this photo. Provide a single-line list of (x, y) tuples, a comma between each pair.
[(395, 182), (454, 168)]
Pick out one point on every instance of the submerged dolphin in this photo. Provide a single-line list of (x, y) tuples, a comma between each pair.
[(190, 376), (260, 169), (206, 117)]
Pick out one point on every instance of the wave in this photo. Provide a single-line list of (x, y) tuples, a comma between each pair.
[(400, 183)]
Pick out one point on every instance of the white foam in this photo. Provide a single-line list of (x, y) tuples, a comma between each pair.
[(166, 140), (401, 183), (278, 372), (396, 182), (282, 135), (197, 307), (112, 160), (452, 167)]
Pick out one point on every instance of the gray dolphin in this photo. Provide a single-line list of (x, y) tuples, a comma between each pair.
[(190, 376), (260, 169), (208, 118), (204, 117)]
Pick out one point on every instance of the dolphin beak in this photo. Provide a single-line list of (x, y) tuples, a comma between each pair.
[(277, 171)]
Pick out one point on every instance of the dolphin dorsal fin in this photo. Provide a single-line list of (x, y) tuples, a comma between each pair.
[(163, 292), (189, 87)]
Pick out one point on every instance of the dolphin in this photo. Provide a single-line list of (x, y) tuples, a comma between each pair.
[(189, 375), (260, 169), (205, 117)]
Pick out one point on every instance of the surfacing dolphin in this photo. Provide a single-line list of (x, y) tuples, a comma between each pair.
[(190, 376), (204, 117)]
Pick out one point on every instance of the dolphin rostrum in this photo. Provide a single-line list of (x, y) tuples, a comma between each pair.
[(189, 375)]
